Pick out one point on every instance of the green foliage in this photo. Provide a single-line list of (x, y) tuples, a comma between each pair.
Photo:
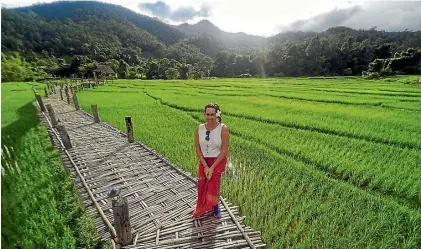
[(15, 68), (12, 68), (321, 182), (371, 75), (186, 72), (386, 72), (405, 62), (40, 204), (123, 70), (106, 33), (348, 71), (172, 73), (377, 65)]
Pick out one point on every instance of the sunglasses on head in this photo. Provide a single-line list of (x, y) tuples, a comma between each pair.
[(207, 135)]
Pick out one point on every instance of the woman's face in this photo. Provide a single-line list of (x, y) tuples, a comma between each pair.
[(210, 115)]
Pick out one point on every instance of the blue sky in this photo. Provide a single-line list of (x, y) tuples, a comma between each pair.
[(269, 17)]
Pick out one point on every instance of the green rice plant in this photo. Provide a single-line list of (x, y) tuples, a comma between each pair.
[(395, 127), (40, 207), (281, 176)]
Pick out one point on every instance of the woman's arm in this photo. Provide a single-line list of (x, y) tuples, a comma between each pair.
[(224, 148), (198, 151)]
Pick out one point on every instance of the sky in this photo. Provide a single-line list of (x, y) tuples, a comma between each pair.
[(269, 17)]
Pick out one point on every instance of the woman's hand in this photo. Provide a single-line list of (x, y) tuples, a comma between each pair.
[(210, 172), (206, 169)]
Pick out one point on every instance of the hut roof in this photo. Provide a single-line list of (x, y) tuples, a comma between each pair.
[(104, 69)]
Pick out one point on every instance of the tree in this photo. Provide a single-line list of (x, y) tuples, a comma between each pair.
[(123, 70), (383, 51), (152, 72), (42, 35), (12, 68), (172, 73), (185, 71), (75, 64), (348, 71)]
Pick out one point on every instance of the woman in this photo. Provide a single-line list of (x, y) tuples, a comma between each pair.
[(212, 139)]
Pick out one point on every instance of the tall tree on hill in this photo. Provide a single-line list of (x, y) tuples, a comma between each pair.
[(313, 61)]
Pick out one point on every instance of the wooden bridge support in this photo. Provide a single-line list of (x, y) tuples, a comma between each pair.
[(129, 127), (52, 115), (75, 101), (64, 136), (95, 112), (66, 90), (40, 103), (122, 225)]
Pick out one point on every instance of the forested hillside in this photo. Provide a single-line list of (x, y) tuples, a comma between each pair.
[(70, 38)]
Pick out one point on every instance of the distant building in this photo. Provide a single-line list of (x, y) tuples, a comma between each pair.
[(103, 72)]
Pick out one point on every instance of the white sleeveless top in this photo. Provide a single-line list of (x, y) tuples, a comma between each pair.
[(210, 148)]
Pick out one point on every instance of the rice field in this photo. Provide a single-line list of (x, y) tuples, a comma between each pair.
[(40, 207), (312, 163)]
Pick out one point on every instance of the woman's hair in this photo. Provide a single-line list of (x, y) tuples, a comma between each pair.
[(217, 109)]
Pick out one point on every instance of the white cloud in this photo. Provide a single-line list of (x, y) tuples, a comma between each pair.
[(182, 13), (268, 17), (385, 15)]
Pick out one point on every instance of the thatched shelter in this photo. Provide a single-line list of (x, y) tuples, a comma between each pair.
[(104, 72)]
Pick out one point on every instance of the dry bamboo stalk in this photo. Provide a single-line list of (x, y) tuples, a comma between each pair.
[(157, 237), (135, 239), (87, 188), (238, 225)]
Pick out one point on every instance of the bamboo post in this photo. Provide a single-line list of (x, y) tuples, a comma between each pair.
[(46, 92), (52, 115), (40, 103), (64, 135), (129, 127), (95, 112), (122, 226), (33, 89), (75, 101), (61, 93), (54, 89), (66, 90)]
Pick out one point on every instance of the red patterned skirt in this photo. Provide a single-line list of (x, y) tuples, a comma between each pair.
[(208, 190)]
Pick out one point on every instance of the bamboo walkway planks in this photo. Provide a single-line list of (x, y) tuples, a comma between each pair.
[(160, 195)]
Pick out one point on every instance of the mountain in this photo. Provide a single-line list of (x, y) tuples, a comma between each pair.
[(94, 36), (287, 36), (227, 39), (80, 25), (65, 38), (80, 11)]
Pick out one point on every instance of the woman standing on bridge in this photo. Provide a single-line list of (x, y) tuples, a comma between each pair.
[(212, 139)]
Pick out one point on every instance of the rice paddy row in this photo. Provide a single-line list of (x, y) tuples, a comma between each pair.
[(306, 174)]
